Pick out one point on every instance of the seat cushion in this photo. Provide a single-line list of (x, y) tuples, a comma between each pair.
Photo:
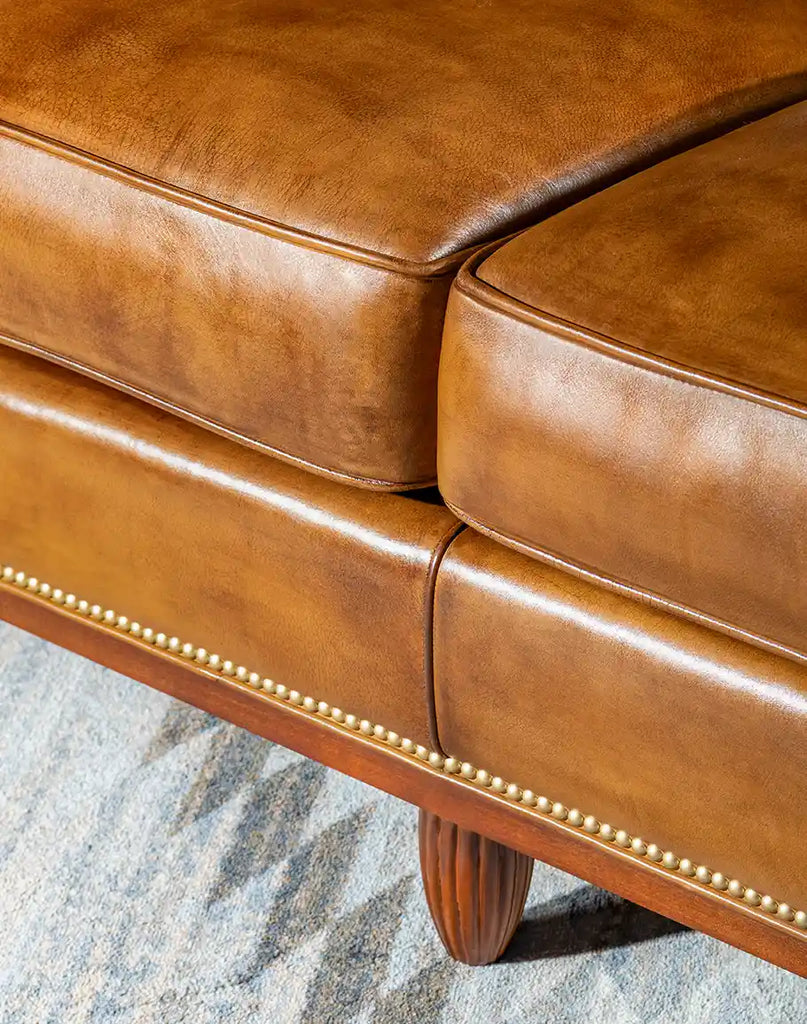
[(624, 387), (250, 213), (325, 589), (668, 730)]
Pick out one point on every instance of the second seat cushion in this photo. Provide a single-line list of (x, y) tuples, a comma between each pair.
[(250, 213), (623, 387)]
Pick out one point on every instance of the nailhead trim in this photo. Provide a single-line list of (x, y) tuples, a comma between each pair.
[(571, 816)]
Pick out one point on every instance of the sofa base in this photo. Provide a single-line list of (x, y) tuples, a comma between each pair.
[(471, 798)]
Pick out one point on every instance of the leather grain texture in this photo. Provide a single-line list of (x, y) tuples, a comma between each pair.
[(250, 213), (326, 362), (623, 387), (681, 735), (325, 588)]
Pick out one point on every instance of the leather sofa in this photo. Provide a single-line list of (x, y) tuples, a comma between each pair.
[(423, 387)]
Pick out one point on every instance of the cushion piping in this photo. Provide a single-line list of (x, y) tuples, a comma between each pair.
[(647, 597), (478, 290), (212, 207), (370, 483)]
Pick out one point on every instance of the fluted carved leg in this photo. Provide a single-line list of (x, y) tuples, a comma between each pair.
[(475, 889)]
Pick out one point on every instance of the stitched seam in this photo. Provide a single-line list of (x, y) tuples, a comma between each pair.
[(213, 425), (647, 597), (435, 562)]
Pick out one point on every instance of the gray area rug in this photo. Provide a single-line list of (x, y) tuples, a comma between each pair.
[(157, 865)]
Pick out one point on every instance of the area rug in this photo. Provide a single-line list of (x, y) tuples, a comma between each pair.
[(157, 865)]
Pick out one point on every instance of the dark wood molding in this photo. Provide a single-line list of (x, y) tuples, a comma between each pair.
[(410, 779)]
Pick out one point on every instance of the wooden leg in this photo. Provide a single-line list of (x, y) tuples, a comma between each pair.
[(475, 889)]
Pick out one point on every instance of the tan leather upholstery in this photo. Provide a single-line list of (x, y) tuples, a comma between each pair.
[(324, 588), (677, 733), (623, 387), (249, 213)]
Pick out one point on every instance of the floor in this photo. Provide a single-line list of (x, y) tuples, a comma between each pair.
[(157, 865)]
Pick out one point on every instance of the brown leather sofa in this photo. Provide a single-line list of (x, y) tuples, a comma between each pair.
[(271, 271)]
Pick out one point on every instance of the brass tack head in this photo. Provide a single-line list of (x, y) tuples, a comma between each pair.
[(513, 792), (20, 578), (228, 668), (638, 846), (452, 765), (483, 778), (800, 917), (719, 881), (161, 640), (436, 760), (379, 732), (324, 709), (32, 583), (559, 811), (296, 697), (544, 804), (188, 651), (268, 686), (608, 832), (282, 691), (242, 674), (785, 912), (622, 838), (83, 607), (135, 629), (591, 825), (686, 867), (214, 662), (175, 645), (70, 601), (338, 715), (366, 727), (703, 874), (121, 623), (529, 798), (351, 722), (8, 573), (148, 635), (654, 852), (769, 904), (467, 770), (422, 752), (46, 590), (407, 745), (58, 598), (310, 704), (752, 897), (736, 888), (497, 784), (201, 655), (393, 739), (669, 860), (575, 817), (110, 618)]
